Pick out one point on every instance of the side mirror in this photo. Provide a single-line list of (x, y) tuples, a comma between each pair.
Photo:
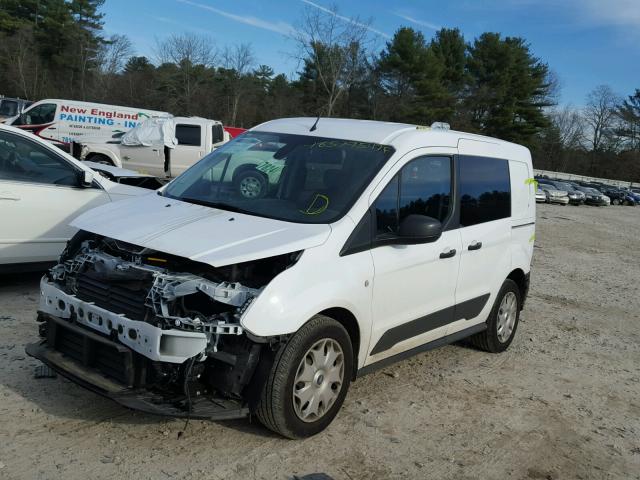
[(86, 178), (419, 229)]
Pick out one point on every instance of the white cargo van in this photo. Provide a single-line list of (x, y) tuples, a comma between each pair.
[(372, 242), (65, 121)]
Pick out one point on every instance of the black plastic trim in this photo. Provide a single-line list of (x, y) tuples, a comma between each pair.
[(454, 337), (523, 225), (357, 242), (525, 293), (468, 309)]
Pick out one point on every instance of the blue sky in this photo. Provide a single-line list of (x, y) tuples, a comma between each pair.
[(585, 42)]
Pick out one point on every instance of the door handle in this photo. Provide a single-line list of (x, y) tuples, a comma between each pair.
[(448, 254), (475, 246), (9, 196)]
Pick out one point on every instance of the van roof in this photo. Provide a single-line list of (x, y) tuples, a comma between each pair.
[(372, 131)]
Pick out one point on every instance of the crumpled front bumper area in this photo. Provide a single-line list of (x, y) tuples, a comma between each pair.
[(115, 371)]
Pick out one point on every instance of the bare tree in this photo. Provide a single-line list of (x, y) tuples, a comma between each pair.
[(187, 47), (112, 57), (114, 54), (600, 116), (22, 62), (568, 136), (192, 54), (238, 61), (239, 58), (570, 125), (330, 42)]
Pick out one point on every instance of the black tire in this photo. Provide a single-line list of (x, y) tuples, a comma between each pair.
[(251, 184), (488, 340), (615, 201), (100, 158), (276, 405)]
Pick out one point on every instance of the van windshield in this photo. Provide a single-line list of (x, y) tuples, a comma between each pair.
[(295, 178)]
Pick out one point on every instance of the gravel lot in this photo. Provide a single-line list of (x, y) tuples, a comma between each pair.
[(563, 402)]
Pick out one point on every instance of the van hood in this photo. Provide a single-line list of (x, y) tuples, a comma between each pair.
[(209, 235)]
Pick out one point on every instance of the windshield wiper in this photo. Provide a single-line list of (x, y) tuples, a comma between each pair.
[(218, 205)]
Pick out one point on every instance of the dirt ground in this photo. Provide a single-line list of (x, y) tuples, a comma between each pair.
[(563, 402)]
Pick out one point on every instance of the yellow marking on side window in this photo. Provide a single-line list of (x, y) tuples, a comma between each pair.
[(532, 238), (531, 181)]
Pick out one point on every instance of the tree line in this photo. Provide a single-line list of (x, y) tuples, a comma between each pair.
[(492, 84)]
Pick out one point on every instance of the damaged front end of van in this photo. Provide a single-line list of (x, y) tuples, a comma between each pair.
[(154, 331)]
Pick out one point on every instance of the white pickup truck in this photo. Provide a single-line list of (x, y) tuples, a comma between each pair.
[(194, 138)]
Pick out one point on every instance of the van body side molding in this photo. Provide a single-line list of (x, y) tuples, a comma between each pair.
[(439, 342), (523, 225), (465, 310)]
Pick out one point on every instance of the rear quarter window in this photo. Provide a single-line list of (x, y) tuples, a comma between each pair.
[(485, 190)]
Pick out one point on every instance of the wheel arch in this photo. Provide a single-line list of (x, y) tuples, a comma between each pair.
[(94, 155), (348, 320), (521, 279)]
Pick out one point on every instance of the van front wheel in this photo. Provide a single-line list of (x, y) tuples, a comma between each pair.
[(309, 380), (503, 320), (251, 184)]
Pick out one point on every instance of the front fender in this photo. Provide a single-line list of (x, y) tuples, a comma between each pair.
[(314, 284)]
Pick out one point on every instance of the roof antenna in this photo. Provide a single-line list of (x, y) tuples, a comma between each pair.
[(315, 124)]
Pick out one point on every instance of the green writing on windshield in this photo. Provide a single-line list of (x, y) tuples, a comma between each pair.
[(376, 147)]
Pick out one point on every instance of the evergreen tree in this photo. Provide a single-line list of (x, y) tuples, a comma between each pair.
[(629, 115), (508, 88)]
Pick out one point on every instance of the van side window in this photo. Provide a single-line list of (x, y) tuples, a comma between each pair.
[(422, 187), (22, 160), (188, 135), (485, 190), (39, 115)]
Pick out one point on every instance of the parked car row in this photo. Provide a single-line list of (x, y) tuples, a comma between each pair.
[(566, 192)]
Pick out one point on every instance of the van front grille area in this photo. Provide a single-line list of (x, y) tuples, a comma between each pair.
[(92, 350), (126, 298)]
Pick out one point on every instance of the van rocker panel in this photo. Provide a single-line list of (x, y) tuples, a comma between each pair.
[(465, 310)]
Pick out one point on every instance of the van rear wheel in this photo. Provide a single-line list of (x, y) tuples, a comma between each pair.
[(308, 381), (503, 320)]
